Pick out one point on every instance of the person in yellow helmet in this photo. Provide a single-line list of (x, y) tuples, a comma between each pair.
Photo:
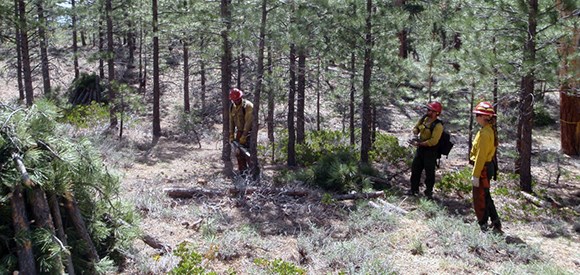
[(482, 156), (428, 131), (241, 116)]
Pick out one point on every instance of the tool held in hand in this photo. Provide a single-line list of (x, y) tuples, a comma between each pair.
[(243, 149)]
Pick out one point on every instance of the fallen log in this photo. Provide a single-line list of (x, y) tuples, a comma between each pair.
[(358, 196), (59, 228), (26, 263), (74, 213), (153, 242), (539, 202)]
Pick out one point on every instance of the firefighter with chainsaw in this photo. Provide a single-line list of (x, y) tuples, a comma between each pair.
[(482, 156), (241, 116), (427, 131)]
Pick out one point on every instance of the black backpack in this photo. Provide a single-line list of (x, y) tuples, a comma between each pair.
[(444, 145)]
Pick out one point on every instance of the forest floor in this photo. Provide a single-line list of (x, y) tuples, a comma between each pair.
[(342, 237)]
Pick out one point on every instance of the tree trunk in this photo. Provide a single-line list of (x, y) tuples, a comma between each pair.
[(301, 92), (17, 31), (59, 228), (74, 214), (351, 104), (526, 101), (43, 47), (255, 169), (20, 222), (43, 219), (226, 75), (291, 98), (202, 76), (27, 71), (186, 106), (111, 64), (75, 38), (271, 102), (318, 91), (402, 35), (366, 101), (569, 97), (101, 44), (156, 88)]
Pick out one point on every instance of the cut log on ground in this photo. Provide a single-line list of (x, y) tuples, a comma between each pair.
[(20, 221), (153, 242), (536, 201), (74, 214)]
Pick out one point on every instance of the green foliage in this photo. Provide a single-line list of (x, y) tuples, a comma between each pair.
[(86, 116), (190, 263), (336, 171), (278, 266), (456, 181), (188, 122), (318, 144), (386, 148), (542, 116), (62, 166)]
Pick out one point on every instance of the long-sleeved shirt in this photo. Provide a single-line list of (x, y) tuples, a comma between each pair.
[(482, 149), (241, 117), (423, 130)]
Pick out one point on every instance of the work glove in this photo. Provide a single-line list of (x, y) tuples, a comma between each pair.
[(243, 140), (231, 138), (475, 181)]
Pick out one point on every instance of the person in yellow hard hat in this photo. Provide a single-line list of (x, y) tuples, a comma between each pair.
[(241, 116), (482, 157), (428, 131)]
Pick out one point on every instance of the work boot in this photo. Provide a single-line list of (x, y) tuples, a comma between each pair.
[(412, 193), (497, 227), (483, 226)]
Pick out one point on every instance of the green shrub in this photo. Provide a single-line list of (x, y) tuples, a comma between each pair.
[(542, 117), (386, 148), (190, 263), (336, 171), (456, 181), (85, 116), (278, 266)]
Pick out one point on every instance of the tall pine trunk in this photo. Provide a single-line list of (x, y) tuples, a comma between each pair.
[(75, 38), (26, 68), (569, 100), (186, 106), (291, 99), (301, 93), (43, 47), (526, 101), (226, 76), (156, 88), (366, 101), (17, 31), (111, 63)]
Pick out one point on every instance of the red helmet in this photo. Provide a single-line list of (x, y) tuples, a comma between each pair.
[(484, 108), (435, 106), (236, 94)]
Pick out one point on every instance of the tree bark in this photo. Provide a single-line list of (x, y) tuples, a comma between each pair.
[(75, 38), (156, 88), (74, 214), (202, 76), (27, 70), (26, 262), (255, 169), (351, 102), (291, 99), (569, 96), (301, 93), (59, 228), (366, 102), (111, 63), (17, 32), (186, 106), (43, 43), (226, 76), (526, 100), (271, 102)]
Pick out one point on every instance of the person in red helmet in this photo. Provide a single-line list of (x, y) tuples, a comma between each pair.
[(428, 131), (482, 156), (241, 116)]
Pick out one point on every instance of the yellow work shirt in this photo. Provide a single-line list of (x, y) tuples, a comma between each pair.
[(482, 149), (240, 119), (423, 130)]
